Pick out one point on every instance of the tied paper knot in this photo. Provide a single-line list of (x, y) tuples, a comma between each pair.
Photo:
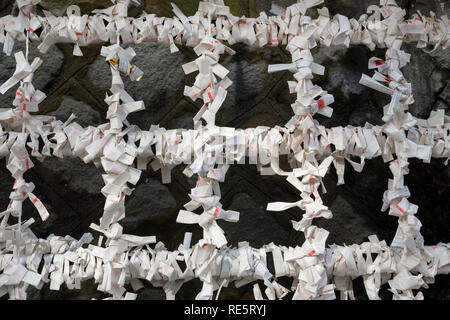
[(117, 112), (304, 67), (207, 220), (311, 173), (24, 72), (213, 8), (207, 86), (388, 72), (28, 99), (22, 191), (308, 185), (25, 6)]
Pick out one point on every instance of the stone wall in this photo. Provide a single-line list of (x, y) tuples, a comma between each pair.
[(70, 189)]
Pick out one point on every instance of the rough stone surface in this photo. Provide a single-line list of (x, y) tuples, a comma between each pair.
[(75, 174), (247, 90), (427, 79), (258, 226), (151, 208), (85, 115), (71, 189)]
